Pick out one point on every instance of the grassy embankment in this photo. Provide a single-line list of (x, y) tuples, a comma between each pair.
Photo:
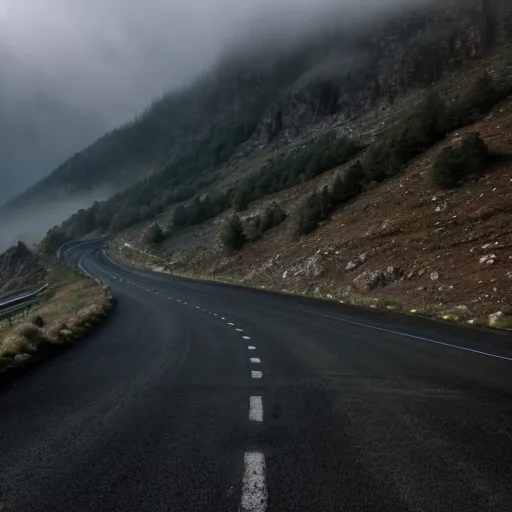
[(71, 306)]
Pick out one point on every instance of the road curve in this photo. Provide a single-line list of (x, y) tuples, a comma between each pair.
[(197, 396)]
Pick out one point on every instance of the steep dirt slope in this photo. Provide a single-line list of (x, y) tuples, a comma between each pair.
[(405, 244)]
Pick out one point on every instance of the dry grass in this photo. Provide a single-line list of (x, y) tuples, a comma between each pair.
[(71, 306)]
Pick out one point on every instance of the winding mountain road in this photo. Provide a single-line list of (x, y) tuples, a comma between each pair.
[(197, 396)]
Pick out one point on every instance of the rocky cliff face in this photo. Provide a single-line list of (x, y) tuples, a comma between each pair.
[(389, 60), (19, 269)]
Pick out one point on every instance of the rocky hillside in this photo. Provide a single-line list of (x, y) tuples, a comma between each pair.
[(407, 244), (19, 269), (368, 166), (352, 82)]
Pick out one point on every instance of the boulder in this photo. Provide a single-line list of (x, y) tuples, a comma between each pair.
[(494, 318), (488, 259), (370, 280), (356, 262)]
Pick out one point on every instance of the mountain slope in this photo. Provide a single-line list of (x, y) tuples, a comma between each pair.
[(352, 82), (405, 244)]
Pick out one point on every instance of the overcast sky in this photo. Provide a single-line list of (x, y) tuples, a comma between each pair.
[(72, 69)]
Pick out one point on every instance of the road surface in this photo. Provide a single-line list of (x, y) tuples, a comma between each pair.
[(196, 396)]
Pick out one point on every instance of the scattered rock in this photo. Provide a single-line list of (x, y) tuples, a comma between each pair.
[(309, 268), (434, 276), (370, 280), (66, 333), (488, 259), (494, 318), (356, 262), (22, 358)]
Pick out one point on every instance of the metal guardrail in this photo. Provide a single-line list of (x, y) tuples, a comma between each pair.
[(26, 297), (10, 307)]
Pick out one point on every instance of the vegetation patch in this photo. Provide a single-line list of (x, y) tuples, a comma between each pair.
[(431, 121), (232, 234), (72, 305), (453, 165), (318, 156)]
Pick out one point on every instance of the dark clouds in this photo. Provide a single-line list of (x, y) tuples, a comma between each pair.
[(72, 69)]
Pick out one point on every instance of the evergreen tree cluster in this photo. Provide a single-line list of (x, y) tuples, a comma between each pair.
[(428, 124), (319, 205), (282, 172)]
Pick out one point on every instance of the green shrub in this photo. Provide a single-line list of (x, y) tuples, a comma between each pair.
[(448, 168), (312, 211), (272, 217), (155, 235), (475, 152), (232, 234), (454, 164)]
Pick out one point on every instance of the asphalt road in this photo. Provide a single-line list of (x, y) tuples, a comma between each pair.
[(205, 397)]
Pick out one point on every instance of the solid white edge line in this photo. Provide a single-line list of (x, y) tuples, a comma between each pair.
[(428, 340), (255, 360), (254, 488), (256, 374), (256, 409)]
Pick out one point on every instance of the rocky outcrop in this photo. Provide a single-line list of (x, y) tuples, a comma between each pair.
[(370, 280), (349, 76), (19, 268)]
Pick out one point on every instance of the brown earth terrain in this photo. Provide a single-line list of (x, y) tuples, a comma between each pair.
[(403, 244)]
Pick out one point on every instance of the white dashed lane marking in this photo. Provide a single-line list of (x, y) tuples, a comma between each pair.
[(246, 337), (256, 375), (250, 347), (254, 490), (256, 409), (232, 324), (240, 330), (255, 360)]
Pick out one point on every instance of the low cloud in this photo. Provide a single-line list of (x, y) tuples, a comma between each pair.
[(73, 69)]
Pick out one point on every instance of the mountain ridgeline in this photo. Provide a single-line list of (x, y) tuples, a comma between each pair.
[(176, 150)]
